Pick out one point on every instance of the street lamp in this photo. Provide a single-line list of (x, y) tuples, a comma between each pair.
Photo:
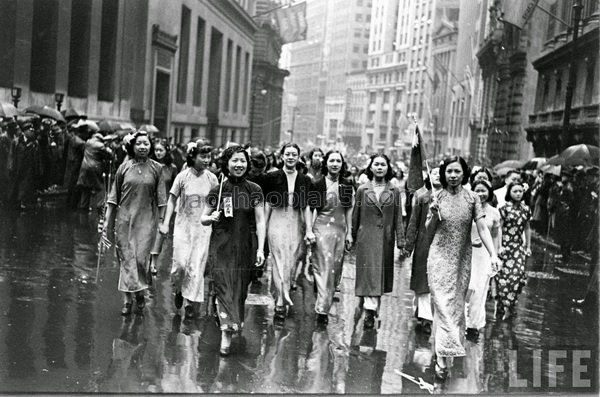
[(15, 92), (58, 98)]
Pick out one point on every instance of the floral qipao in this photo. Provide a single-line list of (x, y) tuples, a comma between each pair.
[(511, 277)]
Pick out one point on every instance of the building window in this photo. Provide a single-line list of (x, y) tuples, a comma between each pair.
[(386, 97), (356, 48), (558, 91), (590, 82), (359, 3), (236, 87), (197, 99), (79, 59), (359, 17), (228, 71), (108, 49), (372, 97), (183, 54), (245, 87)]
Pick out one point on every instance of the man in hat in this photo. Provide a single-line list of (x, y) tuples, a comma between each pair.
[(26, 166), (564, 212)]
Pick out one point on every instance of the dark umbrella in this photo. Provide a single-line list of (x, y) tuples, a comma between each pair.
[(113, 126), (149, 128), (516, 164), (582, 154), (46, 111), (74, 114), (8, 110), (535, 163)]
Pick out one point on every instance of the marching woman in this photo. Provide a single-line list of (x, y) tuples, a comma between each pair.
[(377, 223), (231, 208), (163, 155), (137, 196), (191, 237), (451, 213), (516, 247), (417, 243), (481, 267), (288, 217), (332, 229)]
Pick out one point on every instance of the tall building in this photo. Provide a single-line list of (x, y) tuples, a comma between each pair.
[(336, 46), (559, 50), (447, 127), (401, 72), (509, 86), (182, 65), (267, 78)]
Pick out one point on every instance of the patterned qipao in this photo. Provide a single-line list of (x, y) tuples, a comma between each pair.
[(138, 191), (449, 268), (511, 278)]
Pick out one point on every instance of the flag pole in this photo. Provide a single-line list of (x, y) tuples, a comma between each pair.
[(426, 163)]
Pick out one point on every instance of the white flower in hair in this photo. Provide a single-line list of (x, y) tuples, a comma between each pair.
[(191, 146)]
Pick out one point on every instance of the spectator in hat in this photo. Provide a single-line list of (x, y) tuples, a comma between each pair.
[(562, 207), (74, 147), (90, 181), (26, 167)]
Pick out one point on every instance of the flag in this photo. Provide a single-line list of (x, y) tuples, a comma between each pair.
[(518, 12), (291, 22), (415, 168)]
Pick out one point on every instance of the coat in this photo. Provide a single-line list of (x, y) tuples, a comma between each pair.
[(375, 226), (418, 240)]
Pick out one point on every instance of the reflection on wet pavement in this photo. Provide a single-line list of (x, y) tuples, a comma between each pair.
[(62, 331)]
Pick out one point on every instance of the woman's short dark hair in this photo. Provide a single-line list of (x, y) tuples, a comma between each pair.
[(129, 146), (168, 159), (479, 171), (287, 145), (228, 154), (507, 197), (390, 172), (488, 186), (194, 151), (324, 163), (463, 164)]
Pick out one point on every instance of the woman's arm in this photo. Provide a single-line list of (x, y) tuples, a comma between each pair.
[(164, 226), (486, 239), (527, 233), (308, 222), (261, 232), (356, 213), (348, 215), (209, 216)]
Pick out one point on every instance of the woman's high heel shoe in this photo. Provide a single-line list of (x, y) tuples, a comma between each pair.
[(441, 373), (126, 309)]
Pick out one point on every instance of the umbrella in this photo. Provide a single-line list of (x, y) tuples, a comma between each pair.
[(74, 114), (46, 111), (514, 164), (551, 169), (535, 163), (149, 128), (112, 126), (8, 110), (503, 171), (582, 154), (91, 125)]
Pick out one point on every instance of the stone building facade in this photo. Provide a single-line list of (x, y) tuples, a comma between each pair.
[(546, 119), (183, 65)]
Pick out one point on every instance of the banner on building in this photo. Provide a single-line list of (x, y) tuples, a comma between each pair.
[(292, 22), (518, 12)]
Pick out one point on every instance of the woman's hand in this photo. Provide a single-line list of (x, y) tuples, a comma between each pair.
[(310, 237), (163, 228), (260, 258), (215, 216), (349, 241), (496, 264)]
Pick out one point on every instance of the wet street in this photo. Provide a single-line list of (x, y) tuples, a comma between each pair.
[(61, 330)]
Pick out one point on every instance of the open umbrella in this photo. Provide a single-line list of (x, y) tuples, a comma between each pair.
[(582, 154), (149, 128), (91, 125), (74, 114), (8, 110), (46, 111), (514, 164), (503, 171), (535, 163), (113, 126), (551, 169)]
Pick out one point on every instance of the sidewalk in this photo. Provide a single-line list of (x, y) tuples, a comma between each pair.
[(580, 263)]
